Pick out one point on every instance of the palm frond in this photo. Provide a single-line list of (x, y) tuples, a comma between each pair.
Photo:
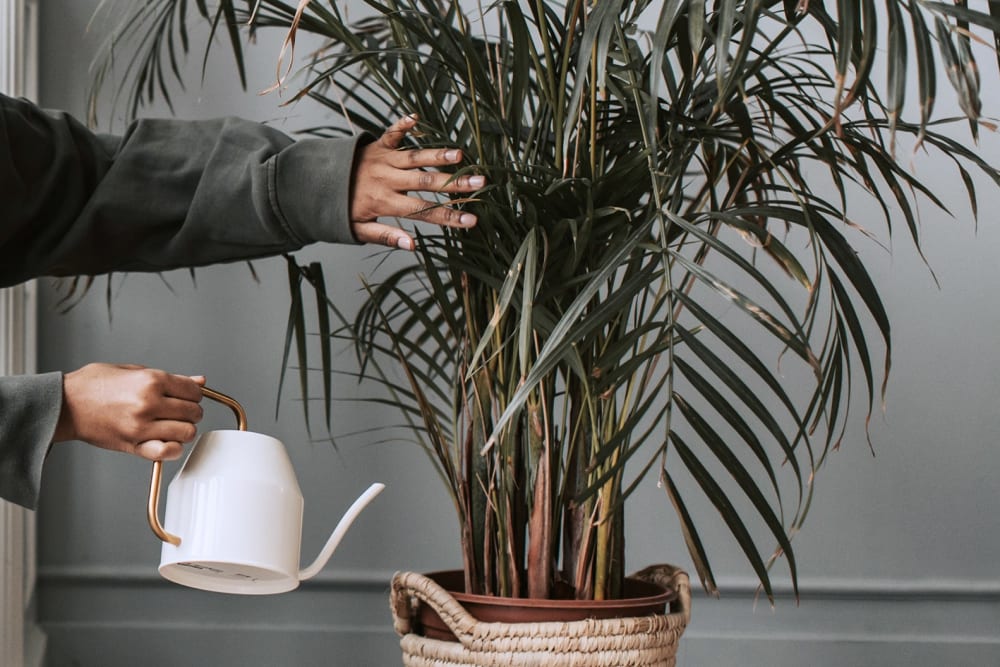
[(678, 191)]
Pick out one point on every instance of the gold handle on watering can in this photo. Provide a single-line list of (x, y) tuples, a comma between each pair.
[(152, 509)]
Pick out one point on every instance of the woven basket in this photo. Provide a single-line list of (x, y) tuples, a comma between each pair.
[(622, 642)]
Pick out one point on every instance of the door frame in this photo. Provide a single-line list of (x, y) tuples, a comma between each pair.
[(22, 643)]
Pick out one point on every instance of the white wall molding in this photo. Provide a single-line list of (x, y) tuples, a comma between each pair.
[(863, 623), (18, 47), (22, 643), (985, 590), (862, 589), (139, 576)]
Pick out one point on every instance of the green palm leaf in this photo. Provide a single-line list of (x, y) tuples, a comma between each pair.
[(677, 193)]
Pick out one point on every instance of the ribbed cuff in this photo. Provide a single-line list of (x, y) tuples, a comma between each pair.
[(312, 189), (29, 411)]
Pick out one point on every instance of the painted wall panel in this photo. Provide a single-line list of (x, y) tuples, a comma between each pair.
[(897, 559)]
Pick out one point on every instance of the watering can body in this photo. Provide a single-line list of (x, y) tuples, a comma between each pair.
[(233, 517), (237, 507)]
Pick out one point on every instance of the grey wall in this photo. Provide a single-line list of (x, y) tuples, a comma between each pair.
[(897, 560)]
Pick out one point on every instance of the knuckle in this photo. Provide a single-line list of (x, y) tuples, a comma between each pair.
[(425, 181), (142, 407), (151, 380), (152, 374), (187, 432), (132, 428)]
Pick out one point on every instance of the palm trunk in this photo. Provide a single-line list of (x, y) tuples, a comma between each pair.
[(540, 533), (576, 517)]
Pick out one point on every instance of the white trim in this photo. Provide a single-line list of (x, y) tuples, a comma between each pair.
[(22, 643), (12, 586), (985, 591)]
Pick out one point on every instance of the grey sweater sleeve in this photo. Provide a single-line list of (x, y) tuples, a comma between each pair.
[(166, 194), (29, 410)]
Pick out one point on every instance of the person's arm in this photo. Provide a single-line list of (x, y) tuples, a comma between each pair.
[(164, 195), (171, 194), (167, 194), (141, 411), (133, 409)]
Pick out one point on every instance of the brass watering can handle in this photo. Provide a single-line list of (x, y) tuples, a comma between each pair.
[(152, 509)]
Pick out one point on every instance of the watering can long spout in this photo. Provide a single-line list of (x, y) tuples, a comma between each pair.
[(338, 533)]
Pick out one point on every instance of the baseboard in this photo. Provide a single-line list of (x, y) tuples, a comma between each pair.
[(112, 618), (731, 588), (89, 646), (909, 651)]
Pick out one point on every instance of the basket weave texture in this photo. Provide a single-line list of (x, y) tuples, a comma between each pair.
[(639, 641)]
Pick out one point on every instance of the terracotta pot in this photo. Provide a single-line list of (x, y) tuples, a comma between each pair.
[(641, 598)]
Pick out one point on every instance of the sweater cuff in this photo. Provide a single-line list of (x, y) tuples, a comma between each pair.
[(311, 188), (30, 405)]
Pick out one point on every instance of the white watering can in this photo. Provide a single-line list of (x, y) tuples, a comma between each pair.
[(233, 520)]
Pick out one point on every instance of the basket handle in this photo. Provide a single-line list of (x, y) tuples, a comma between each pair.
[(672, 578), (409, 587)]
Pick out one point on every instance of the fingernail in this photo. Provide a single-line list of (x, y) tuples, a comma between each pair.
[(404, 243), (477, 181), (467, 219), (452, 156), (410, 120)]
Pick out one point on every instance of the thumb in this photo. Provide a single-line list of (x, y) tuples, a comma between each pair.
[(158, 450)]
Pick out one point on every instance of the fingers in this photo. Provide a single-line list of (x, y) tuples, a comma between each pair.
[(166, 430), (418, 158), (417, 209), (178, 409), (165, 395), (376, 232), (385, 175), (157, 450), (415, 159), (393, 137), (178, 415), (432, 181), (169, 416), (119, 407), (183, 386)]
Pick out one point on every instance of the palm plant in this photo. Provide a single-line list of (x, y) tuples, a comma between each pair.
[(675, 193)]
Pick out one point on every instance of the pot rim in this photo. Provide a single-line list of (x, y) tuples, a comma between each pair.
[(649, 594)]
